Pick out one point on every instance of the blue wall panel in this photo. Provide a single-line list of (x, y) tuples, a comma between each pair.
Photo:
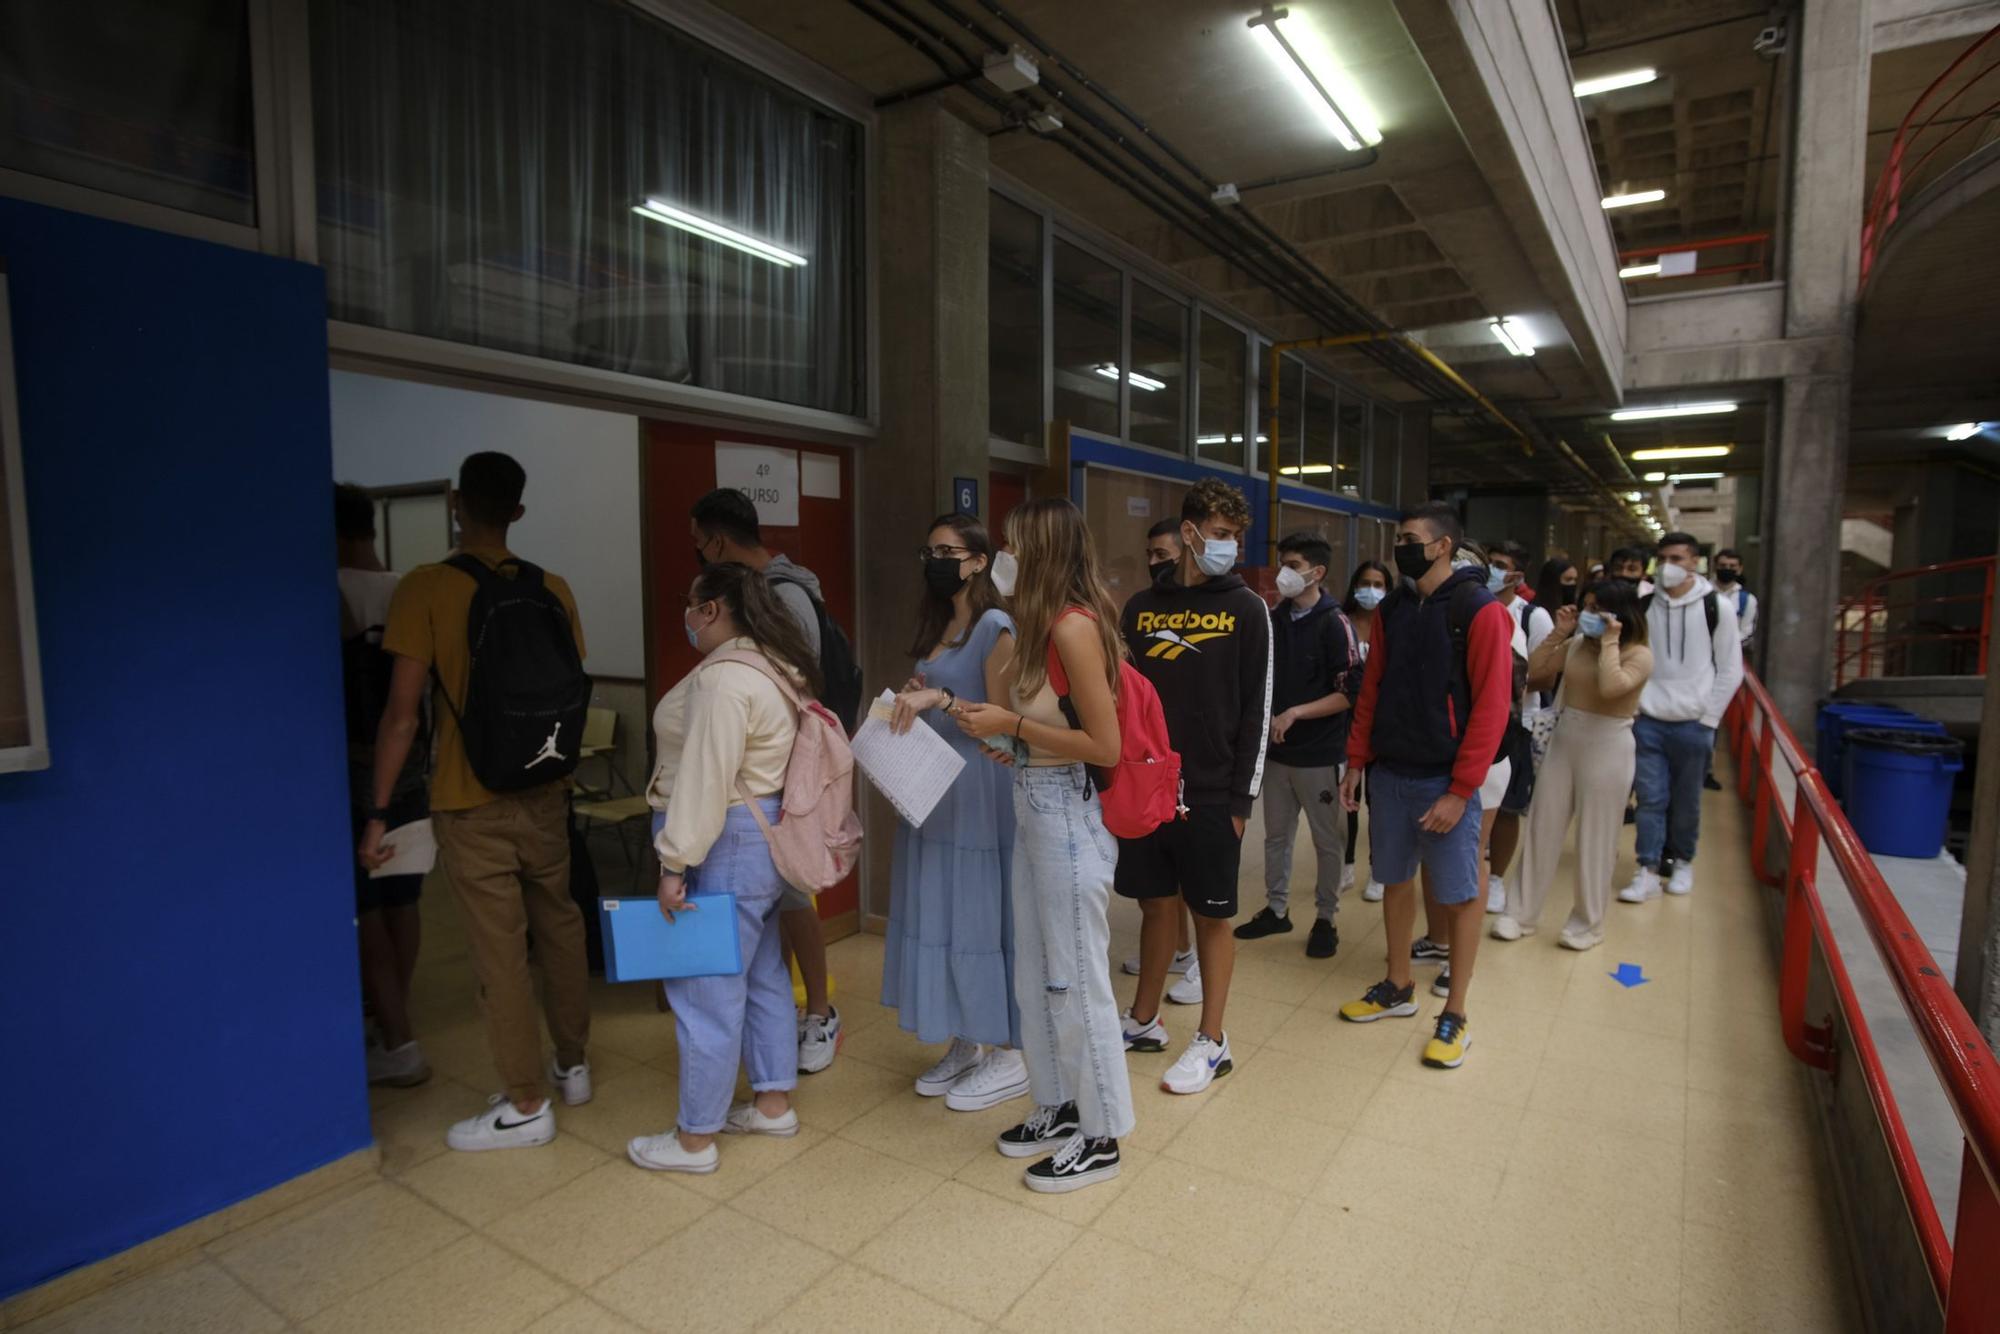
[(176, 913)]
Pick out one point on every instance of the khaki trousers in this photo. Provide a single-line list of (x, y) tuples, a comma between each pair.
[(1588, 771), (509, 867)]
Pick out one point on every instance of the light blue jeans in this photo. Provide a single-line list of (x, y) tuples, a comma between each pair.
[(1070, 1031), (747, 1017)]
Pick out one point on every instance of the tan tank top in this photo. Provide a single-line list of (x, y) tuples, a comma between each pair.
[(1046, 709)]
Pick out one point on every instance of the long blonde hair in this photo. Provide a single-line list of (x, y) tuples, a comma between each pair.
[(1058, 570)]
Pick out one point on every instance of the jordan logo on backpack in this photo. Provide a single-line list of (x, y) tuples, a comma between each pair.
[(548, 750)]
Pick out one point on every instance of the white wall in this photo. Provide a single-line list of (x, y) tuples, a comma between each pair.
[(582, 502)]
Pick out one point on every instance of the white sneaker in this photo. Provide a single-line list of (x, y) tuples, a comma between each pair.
[(819, 1039), (1144, 1037), (1183, 960), (1001, 1077), (937, 1081), (1509, 928), (663, 1153), (1580, 940), (1347, 877), (1373, 893), (745, 1119), (1496, 893), (503, 1126), (1682, 880), (1645, 887), (400, 1067), (574, 1082), (1199, 1066), (1187, 991)]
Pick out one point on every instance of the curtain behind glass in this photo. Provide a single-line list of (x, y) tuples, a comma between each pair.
[(479, 163)]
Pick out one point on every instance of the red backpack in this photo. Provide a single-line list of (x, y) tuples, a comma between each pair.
[(1143, 790)]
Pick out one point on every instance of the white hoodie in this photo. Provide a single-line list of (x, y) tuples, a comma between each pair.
[(1694, 677)]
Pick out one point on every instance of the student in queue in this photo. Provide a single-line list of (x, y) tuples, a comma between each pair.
[(723, 735), (1063, 854), (1366, 588), (1163, 553), (1507, 565), (948, 963), (1604, 660)]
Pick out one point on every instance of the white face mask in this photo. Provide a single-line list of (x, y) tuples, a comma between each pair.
[(1290, 582), (1369, 597), (1005, 571), (1670, 576)]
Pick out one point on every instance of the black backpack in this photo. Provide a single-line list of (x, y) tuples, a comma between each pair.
[(1708, 610), (839, 673), (526, 691)]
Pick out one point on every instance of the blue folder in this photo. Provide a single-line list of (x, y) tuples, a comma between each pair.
[(640, 945)]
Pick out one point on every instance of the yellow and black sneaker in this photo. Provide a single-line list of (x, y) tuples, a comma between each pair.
[(1446, 1049), (1384, 1000)]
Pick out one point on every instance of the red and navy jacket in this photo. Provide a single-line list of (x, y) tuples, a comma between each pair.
[(1423, 713)]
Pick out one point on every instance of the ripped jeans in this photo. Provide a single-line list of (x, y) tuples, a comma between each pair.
[(1070, 1030)]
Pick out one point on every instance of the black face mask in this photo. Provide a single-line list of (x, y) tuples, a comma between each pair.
[(1727, 576), (1569, 595), (941, 576), (1155, 569), (1411, 562)]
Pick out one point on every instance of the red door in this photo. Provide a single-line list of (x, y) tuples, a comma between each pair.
[(1007, 489), (679, 469)]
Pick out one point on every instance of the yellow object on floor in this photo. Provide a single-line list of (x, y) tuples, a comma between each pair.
[(799, 985)]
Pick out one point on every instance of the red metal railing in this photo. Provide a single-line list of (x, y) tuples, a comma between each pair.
[(1759, 243), (1967, 1293), (1865, 645), (1886, 201)]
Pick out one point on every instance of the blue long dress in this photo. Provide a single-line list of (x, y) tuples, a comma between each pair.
[(948, 967)]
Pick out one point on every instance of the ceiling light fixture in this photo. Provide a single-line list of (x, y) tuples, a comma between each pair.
[(1513, 336), (1606, 83), (1964, 431), (1146, 382), (711, 230), (1656, 477), (1636, 197), (1318, 77), (1681, 452), (1696, 477), (1635, 495), (1640, 270), (1675, 410), (1307, 468)]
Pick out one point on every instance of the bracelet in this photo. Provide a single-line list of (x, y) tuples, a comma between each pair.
[(1020, 720)]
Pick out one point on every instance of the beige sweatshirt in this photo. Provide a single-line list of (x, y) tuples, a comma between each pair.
[(1594, 681), (718, 725)]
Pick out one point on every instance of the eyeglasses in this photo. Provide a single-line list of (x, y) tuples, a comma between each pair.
[(943, 553)]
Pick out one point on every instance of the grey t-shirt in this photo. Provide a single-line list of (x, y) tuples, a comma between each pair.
[(797, 587)]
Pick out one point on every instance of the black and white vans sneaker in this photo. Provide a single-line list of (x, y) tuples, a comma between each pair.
[(1081, 1162), (1045, 1128)]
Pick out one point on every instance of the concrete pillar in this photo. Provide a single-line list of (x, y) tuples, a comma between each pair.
[(1808, 472), (1978, 980), (931, 207)]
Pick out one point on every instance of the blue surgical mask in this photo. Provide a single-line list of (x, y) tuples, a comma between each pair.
[(1368, 597), (1496, 578), (694, 640), (1591, 624), (1217, 556)]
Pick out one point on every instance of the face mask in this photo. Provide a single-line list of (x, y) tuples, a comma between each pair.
[(1368, 597), (941, 576), (694, 637), (1670, 577), (1217, 556), (1290, 582), (1591, 624), (1411, 562), (1005, 571), (1496, 579), (1727, 576), (1155, 569)]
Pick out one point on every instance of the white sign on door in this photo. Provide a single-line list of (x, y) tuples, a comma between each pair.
[(770, 477)]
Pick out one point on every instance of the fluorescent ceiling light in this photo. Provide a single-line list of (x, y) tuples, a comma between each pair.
[(1310, 65), (1963, 431), (1696, 477), (1636, 197), (1635, 495), (1147, 382), (1307, 468), (660, 211), (1640, 270), (1606, 83), (1682, 452), (1656, 477), (1513, 337), (1675, 410)]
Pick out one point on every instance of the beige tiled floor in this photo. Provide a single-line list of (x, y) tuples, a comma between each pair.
[(1607, 1159)]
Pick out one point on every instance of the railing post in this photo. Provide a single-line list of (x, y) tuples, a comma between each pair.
[(1807, 1042), (1973, 1304), (1760, 809)]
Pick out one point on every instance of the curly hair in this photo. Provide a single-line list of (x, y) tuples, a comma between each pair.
[(1211, 498)]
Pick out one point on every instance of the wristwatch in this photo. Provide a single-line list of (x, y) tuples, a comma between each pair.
[(950, 701)]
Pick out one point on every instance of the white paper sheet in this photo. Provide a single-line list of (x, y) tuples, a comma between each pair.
[(412, 850), (912, 770)]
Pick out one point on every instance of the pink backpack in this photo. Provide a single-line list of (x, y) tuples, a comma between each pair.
[(818, 835)]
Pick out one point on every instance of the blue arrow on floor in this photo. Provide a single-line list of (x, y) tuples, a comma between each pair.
[(1630, 975)]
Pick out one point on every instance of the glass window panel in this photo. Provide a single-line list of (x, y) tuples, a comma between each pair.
[(1219, 427), (1120, 508), (1291, 407), (1383, 457), (1014, 321), (1087, 316), (1353, 442), (1316, 462), (480, 165), (1159, 370), (136, 98)]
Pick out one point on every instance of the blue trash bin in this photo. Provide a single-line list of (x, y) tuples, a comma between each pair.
[(1838, 717), (1899, 789)]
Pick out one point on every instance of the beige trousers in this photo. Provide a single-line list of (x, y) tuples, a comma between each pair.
[(1588, 772)]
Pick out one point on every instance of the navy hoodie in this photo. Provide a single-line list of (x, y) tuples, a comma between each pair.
[(1207, 651), (1313, 656)]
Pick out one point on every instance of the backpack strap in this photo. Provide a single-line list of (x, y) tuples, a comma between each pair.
[(1711, 612), (762, 664), (1058, 678)]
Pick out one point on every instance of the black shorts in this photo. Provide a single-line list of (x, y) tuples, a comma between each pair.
[(1197, 857), (390, 891)]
